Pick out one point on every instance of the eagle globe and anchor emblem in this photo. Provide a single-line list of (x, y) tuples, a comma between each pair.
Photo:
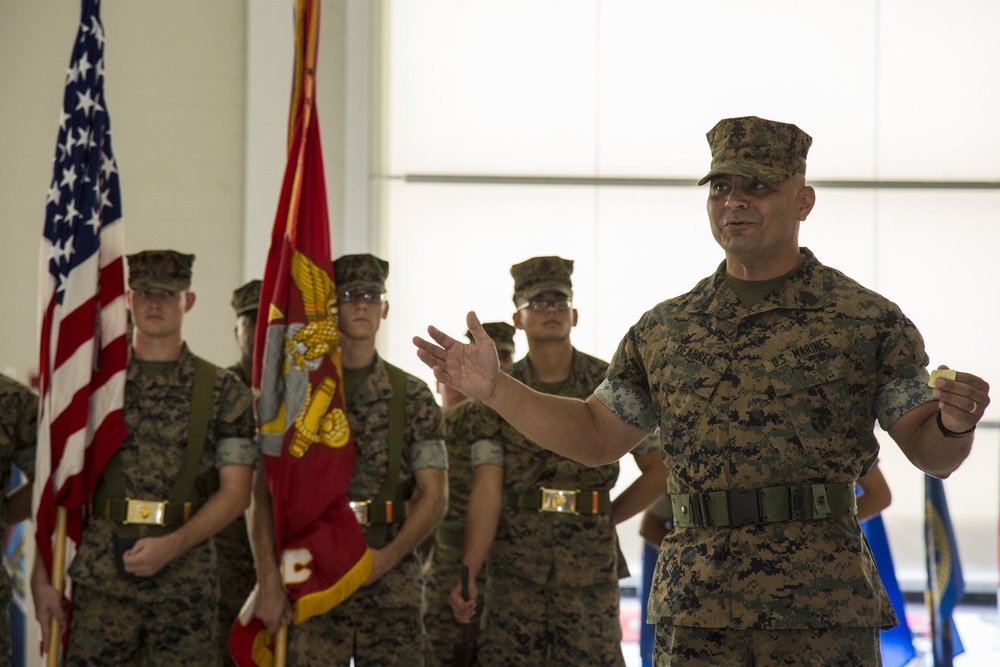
[(301, 349)]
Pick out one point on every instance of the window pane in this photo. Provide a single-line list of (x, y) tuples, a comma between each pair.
[(669, 71), (939, 99), (493, 87)]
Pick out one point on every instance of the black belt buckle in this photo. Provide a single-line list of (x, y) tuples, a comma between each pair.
[(743, 507), (699, 510), (796, 503)]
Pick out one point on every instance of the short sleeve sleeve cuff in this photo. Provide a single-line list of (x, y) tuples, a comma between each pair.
[(429, 454), (898, 397), (235, 451), (628, 405), (487, 452)]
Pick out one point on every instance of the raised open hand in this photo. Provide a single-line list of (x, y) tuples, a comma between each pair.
[(472, 369)]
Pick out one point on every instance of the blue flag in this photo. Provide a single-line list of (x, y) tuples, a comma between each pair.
[(647, 632), (945, 584), (897, 642)]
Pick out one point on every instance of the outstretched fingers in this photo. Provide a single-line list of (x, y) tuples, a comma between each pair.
[(479, 334)]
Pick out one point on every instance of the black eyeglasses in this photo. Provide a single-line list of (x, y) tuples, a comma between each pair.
[(541, 305), (360, 297)]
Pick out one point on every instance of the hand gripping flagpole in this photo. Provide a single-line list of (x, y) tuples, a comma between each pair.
[(58, 579)]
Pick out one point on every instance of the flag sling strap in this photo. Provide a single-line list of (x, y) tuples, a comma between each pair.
[(184, 486), (376, 534)]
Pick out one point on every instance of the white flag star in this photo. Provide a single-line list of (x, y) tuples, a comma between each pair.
[(95, 221), (108, 165), (68, 147), (97, 31), (84, 66), (71, 213), (84, 101), (54, 194), (69, 177)]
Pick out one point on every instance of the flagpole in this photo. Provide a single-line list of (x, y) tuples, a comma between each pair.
[(281, 645), (58, 583), (305, 71)]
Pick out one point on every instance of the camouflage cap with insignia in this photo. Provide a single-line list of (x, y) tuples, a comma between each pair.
[(360, 272), (160, 269), (764, 150), (246, 297), (502, 334), (541, 274)]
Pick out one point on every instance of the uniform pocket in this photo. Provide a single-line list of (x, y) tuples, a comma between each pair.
[(811, 382), (686, 389)]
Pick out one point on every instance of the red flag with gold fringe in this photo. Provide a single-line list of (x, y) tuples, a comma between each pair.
[(305, 439)]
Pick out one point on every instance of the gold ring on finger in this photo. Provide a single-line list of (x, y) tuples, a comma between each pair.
[(975, 406)]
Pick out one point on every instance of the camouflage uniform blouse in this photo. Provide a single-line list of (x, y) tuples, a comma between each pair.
[(579, 550), (423, 447), (456, 425), (156, 414), (785, 393), (18, 432)]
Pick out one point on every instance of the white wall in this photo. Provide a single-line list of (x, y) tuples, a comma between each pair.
[(175, 91)]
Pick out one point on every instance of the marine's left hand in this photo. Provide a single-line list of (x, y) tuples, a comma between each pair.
[(149, 555), (962, 401)]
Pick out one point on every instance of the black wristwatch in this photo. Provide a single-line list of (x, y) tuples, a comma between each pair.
[(948, 433)]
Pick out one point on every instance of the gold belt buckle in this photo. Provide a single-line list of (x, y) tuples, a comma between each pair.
[(558, 500), (146, 512), (360, 509)]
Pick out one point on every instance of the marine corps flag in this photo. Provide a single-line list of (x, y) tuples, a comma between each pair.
[(945, 584), (305, 439)]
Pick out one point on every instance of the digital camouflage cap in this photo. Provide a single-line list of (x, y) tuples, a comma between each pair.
[(360, 272), (764, 150), (502, 334), (246, 297), (160, 269), (541, 274)]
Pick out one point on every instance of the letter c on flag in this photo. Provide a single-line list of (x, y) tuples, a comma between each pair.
[(295, 566)]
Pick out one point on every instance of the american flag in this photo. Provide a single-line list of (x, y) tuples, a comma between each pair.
[(83, 346)]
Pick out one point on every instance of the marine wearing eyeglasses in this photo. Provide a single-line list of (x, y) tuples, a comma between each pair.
[(356, 296), (546, 523), (541, 305), (379, 624)]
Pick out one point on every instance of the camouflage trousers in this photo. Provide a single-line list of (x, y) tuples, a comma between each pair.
[(6, 645), (237, 578), (151, 630), (530, 625), (725, 647), (441, 629), (374, 637)]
